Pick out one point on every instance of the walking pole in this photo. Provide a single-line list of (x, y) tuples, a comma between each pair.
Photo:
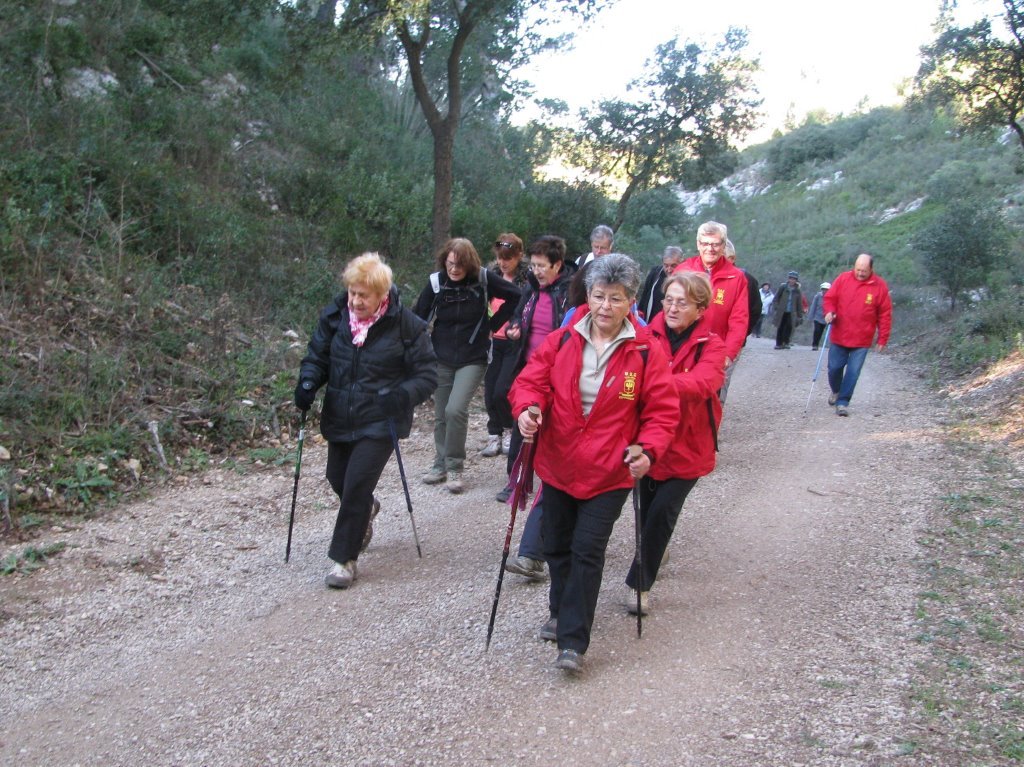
[(817, 368), (405, 485), (295, 487), (632, 453), (522, 470)]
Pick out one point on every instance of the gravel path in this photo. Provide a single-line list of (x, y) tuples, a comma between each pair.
[(171, 632)]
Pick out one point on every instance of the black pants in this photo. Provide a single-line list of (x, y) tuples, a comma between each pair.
[(785, 331), (660, 504), (353, 469), (576, 533), (501, 371), (757, 326), (819, 329)]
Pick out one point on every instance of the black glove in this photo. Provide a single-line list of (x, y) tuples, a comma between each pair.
[(305, 393), (394, 402)]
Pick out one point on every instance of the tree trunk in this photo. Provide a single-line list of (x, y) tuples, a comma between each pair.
[(327, 12), (441, 222)]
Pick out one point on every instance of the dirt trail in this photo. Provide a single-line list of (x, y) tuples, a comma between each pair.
[(172, 632)]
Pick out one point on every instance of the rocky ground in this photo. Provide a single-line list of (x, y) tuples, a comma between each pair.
[(171, 632)]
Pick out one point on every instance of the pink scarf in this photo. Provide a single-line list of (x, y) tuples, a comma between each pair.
[(360, 328)]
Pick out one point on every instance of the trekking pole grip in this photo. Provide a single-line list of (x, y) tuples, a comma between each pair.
[(534, 413)]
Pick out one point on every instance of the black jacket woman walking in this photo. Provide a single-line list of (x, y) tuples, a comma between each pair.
[(377, 361), (456, 302)]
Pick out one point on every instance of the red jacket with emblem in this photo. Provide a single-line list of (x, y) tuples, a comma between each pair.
[(582, 455), (698, 370), (728, 314), (859, 306)]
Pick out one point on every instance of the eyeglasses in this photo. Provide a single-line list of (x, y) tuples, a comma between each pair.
[(453, 265), (704, 245), (617, 301), (680, 303), (539, 267), (503, 244)]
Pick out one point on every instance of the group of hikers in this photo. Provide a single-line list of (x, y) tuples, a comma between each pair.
[(592, 360)]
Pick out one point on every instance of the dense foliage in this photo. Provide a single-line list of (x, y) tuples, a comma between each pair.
[(181, 182)]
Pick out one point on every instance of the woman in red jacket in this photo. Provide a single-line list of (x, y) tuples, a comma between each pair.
[(601, 385), (698, 368)]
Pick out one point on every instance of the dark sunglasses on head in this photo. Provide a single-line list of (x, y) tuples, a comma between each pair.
[(503, 244)]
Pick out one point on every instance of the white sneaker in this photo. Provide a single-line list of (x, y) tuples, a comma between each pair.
[(493, 447), (342, 576), (454, 483), (629, 601), (506, 442)]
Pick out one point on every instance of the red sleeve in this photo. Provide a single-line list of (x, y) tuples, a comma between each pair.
[(739, 318), (884, 317), (707, 376), (533, 384)]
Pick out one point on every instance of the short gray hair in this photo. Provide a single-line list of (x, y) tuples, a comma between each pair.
[(613, 269), (730, 249), (672, 251), (602, 232), (713, 228)]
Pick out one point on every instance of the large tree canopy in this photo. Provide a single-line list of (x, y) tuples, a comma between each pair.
[(691, 105), (980, 70), (458, 54)]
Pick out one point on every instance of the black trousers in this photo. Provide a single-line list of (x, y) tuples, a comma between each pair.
[(576, 533), (353, 469), (660, 504), (819, 329), (501, 371), (785, 331)]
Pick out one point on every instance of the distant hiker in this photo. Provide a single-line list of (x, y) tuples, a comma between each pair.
[(649, 303), (377, 361), (456, 305), (857, 305), (602, 240), (511, 266), (787, 310), (601, 385), (817, 314), (767, 296), (697, 363), (540, 311), (728, 314)]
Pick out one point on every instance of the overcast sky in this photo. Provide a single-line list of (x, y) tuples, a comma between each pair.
[(814, 54)]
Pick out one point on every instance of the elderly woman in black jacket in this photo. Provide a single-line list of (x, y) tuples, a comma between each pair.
[(377, 361), (456, 302)]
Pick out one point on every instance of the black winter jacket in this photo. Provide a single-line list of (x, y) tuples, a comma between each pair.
[(397, 353), (461, 311), (523, 315)]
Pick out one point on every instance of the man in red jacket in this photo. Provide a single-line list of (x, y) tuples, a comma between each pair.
[(728, 314), (856, 306)]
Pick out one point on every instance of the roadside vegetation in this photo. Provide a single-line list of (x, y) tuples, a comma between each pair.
[(181, 183)]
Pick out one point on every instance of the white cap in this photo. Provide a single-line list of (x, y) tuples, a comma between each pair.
[(826, 285)]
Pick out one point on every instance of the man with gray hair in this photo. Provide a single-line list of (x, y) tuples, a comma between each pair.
[(728, 315), (602, 240), (652, 293)]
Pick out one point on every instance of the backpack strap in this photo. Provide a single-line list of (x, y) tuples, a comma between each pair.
[(483, 282)]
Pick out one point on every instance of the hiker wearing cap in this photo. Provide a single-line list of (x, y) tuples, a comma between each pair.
[(787, 310), (817, 314), (857, 305)]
